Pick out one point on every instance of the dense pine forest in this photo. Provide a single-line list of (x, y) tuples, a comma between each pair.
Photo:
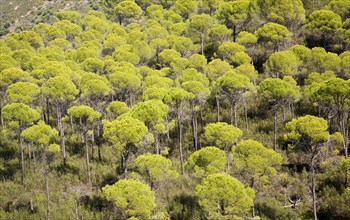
[(176, 109)]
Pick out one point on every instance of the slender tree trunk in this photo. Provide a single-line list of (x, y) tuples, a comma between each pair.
[(99, 139), (344, 131), (34, 160), (31, 205), (235, 113), (196, 132), (231, 113), (46, 185), (217, 106), (329, 119), (47, 111), (1, 116), (234, 33), (314, 208), (61, 130), (179, 114), (228, 158), (71, 123), (275, 130), (124, 163), (76, 210), (194, 126), (29, 154), (202, 125), (347, 177), (22, 156), (43, 109), (81, 133), (346, 137), (156, 140), (253, 211), (253, 207), (202, 43), (245, 111), (292, 110), (130, 99), (87, 156), (92, 143), (167, 131)]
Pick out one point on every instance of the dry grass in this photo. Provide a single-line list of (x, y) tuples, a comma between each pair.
[(23, 14)]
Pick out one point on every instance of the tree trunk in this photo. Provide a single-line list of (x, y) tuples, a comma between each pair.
[(234, 33), (1, 116), (167, 131), (43, 109), (231, 114), (235, 113), (347, 126), (61, 130), (76, 210), (179, 114), (87, 156), (47, 111), (329, 119), (92, 143), (228, 158), (22, 157), (292, 109), (46, 185), (344, 131), (245, 111), (202, 125), (217, 106), (156, 143), (31, 205), (202, 43), (34, 160), (99, 139), (253, 207), (71, 123), (274, 130), (157, 58), (194, 126), (124, 163), (29, 155), (313, 193)]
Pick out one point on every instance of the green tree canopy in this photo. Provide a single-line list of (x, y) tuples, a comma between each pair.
[(86, 113), (206, 161), (151, 112), (22, 92), (233, 14), (221, 134), (254, 163), (323, 28), (273, 35), (309, 133), (40, 133), (127, 10), (284, 63), (123, 131), (155, 169), (233, 85), (133, 196), (308, 128), (21, 113), (223, 196)]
